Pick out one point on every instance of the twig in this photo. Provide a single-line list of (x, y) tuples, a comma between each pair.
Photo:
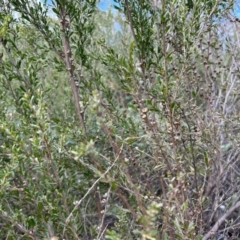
[(19, 226), (90, 189), (220, 221), (64, 27), (101, 230)]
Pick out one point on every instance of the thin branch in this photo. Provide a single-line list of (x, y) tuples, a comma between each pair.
[(103, 228), (19, 226), (214, 229), (90, 189), (65, 25), (11, 59)]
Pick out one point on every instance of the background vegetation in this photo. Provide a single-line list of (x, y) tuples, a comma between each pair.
[(119, 124)]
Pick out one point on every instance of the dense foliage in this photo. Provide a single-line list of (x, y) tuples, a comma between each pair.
[(119, 124)]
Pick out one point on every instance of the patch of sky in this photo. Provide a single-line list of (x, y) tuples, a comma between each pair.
[(117, 26), (102, 4), (236, 9), (105, 4)]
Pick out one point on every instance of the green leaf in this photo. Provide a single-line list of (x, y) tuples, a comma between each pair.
[(55, 11), (205, 155)]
